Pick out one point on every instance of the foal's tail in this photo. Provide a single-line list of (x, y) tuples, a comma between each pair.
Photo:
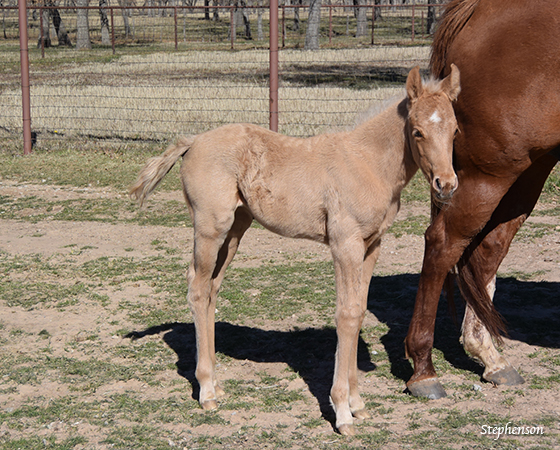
[(156, 168)]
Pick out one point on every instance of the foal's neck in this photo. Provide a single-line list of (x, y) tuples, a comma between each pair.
[(388, 146)]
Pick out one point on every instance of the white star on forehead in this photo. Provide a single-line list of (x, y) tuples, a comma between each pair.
[(435, 118)]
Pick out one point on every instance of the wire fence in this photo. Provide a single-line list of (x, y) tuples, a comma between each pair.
[(171, 70)]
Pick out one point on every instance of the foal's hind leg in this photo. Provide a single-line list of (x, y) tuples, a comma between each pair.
[(214, 247), (242, 222), (483, 258)]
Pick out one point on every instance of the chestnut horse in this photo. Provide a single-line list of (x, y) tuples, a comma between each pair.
[(342, 189), (509, 120)]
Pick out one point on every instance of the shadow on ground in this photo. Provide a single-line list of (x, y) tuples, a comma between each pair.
[(531, 310)]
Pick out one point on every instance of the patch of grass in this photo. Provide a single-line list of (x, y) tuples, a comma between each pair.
[(415, 225), (293, 289), (32, 209), (115, 167)]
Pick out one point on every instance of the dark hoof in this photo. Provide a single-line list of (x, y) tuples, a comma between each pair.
[(430, 388), (508, 376)]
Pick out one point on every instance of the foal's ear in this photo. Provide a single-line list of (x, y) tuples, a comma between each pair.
[(451, 84), (414, 86)]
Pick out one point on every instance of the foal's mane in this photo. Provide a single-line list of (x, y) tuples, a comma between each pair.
[(456, 15), (431, 85)]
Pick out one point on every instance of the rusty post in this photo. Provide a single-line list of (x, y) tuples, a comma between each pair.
[(273, 65), (24, 60)]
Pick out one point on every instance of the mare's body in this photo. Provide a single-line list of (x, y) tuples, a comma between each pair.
[(509, 120)]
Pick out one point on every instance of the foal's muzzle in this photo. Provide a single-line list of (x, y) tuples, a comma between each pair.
[(444, 188)]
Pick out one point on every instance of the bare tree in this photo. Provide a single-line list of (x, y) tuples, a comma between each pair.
[(431, 21), (361, 18), (105, 38), (260, 33), (125, 15), (83, 41), (313, 25), (52, 15)]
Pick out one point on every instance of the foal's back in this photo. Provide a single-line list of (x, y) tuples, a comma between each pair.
[(289, 185)]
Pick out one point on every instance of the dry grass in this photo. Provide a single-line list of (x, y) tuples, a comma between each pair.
[(158, 95)]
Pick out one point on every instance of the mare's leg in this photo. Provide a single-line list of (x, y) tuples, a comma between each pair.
[(357, 405), (348, 257), (483, 257), (242, 222), (445, 240)]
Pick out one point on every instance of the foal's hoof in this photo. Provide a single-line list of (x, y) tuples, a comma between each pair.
[(429, 388), (209, 405), (347, 429), (507, 376), (361, 414), (219, 391)]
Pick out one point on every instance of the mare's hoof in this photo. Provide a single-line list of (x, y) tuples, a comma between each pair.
[(507, 376), (347, 429), (361, 414), (209, 405), (429, 388)]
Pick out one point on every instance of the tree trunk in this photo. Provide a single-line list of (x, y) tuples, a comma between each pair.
[(260, 32), (60, 29), (105, 34), (377, 10), (313, 24), (431, 21), (83, 41), (296, 15), (361, 18), (246, 23), (46, 37)]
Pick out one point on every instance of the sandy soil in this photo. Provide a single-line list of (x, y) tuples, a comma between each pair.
[(399, 256)]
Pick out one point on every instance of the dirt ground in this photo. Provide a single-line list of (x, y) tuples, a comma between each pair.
[(539, 257)]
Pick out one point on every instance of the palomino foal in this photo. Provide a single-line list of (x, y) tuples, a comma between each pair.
[(342, 189)]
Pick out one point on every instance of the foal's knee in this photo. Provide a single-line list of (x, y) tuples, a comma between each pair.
[(350, 315)]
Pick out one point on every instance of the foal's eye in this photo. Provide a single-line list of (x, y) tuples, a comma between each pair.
[(417, 133), (456, 132)]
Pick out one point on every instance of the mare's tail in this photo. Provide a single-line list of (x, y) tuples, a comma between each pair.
[(472, 284), (156, 168)]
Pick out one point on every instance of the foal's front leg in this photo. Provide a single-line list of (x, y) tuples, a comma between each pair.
[(357, 405), (348, 257)]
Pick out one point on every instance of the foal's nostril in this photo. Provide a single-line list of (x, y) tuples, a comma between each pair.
[(438, 185)]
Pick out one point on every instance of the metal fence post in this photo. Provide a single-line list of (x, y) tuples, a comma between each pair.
[(273, 65), (25, 94)]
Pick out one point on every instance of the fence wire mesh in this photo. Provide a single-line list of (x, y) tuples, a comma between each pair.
[(171, 70)]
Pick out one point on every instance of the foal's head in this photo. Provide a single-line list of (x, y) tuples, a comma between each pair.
[(432, 127)]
